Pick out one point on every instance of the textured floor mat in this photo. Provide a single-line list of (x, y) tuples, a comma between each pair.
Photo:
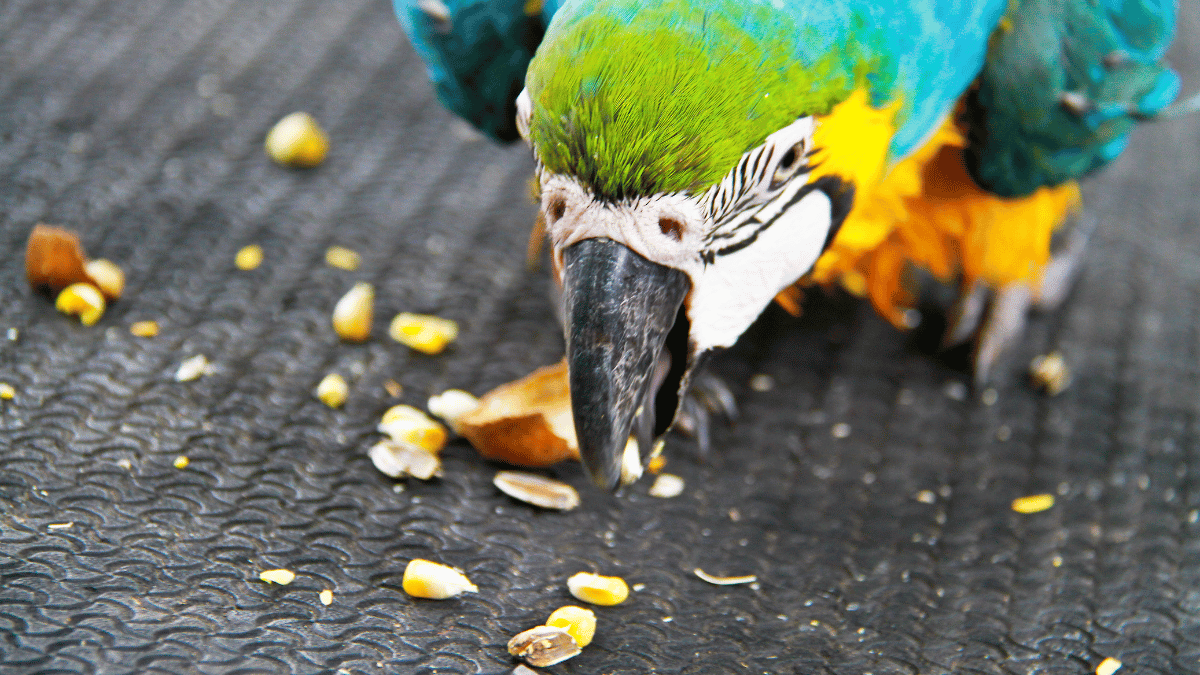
[(868, 490)]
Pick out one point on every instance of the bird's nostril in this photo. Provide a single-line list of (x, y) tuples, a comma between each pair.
[(556, 210), (671, 227)]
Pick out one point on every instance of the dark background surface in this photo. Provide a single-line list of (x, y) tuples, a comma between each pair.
[(139, 123)]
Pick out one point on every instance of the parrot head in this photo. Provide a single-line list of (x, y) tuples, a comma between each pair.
[(675, 176)]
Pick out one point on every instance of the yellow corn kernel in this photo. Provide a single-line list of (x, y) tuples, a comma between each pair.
[(281, 577), (579, 622), (406, 424), (597, 589), (106, 276), (423, 332), (1033, 503), (1108, 666), (353, 314), (326, 597), (666, 486), (333, 390), (181, 462), (248, 257), (144, 328), (7, 391), (342, 258), (83, 300), (426, 579), (297, 141)]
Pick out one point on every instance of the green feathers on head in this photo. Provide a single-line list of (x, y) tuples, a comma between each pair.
[(666, 97)]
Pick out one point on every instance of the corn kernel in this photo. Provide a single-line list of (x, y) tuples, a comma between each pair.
[(579, 622), (423, 332), (7, 391), (353, 314), (193, 369), (425, 579), (451, 405), (543, 646), (297, 141), (281, 577), (406, 424), (144, 328), (326, 597), (181, 462), (1033, 503), (597, 589), (333, 390), (656, 464), (666, 486), (248, 257), (1108, 666), (1050, 373), (106, 276), (83, 300), (342, 258)]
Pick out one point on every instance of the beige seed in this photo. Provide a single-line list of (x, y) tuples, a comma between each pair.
[(193, 368), (1049, 373), (297, 141), (451, 405), (248, 257), (326, 597), (7, 391), (724, 581), (106, 276), (406, 424), (83, 300), (342, 258), (666, 485), (1033, 503), (598, 590), (333, 390), (353, 314), (398, 459), (537, 490), (543, 646), (144, 328), (423, 332), (1108, 666), (631, 462), (393, 388), (426, 579), (280, 576), (579, 622)]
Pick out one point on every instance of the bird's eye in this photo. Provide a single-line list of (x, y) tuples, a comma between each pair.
[(788, 164)]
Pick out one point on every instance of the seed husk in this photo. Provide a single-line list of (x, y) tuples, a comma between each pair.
[(725, 581), (354, 312), (281, 576), (297, 141), (579, 622), (427, 579), (248, 257), (537, 490), (333, 390), (406, 424), (83, 300), (543, 646), (666, 485), (598, 590), (398, 459)]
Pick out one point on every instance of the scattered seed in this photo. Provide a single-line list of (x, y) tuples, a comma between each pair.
[(762, 382), (181, 462), (406, 424), (451, 405), (1033, 503), (353, 314), (144, 328), (297, 141), (426, 579), (7, 391), (333, 390), (393, 388), (423, 332), (989, 396), (1108, 666), (656, 463), (398, 459), (60, 526), (1056, 561), (54, 258), (280, 576), (521, 669), (956, 391), (543, 646), (537, 490), (193, 368), (725, 581), (598, 590), (840, 430), (631, 462), (83, 300), (926, 497), (1049, 373), (579, 622), (1003, 433), (12, 334), (342, 258), (106, 276), (326, 597), (666, 485), (248, 257)]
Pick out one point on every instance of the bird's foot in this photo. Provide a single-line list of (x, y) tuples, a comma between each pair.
[(707, 399)]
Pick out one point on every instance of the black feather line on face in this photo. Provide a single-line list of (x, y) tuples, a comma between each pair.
[(841, 199)]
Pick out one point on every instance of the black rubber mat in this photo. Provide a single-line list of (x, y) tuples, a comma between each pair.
[(868, 489)]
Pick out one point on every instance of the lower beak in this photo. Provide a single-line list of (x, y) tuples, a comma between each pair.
[(618, 309)]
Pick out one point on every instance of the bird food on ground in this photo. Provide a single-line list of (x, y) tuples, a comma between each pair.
[(1033, 503), (354, 312), (451, 405), (725, 581), (425, 333), (426, 579), (598, 590), (537, 490), (579, 622), (1050, 373), (281, 576), (406, 424), (83, 300), (144, 328), (107, 276), (543, 646), (342, 258), (666, 485), (399, 459), (193, 368), (333, 390), (527, 422), (248, 257), (54, 258), (297, 141)]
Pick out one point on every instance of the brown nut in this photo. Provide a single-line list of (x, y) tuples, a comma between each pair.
[(54, 259)]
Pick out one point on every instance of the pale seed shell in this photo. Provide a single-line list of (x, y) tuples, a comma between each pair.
[(543, 646), (724, 581), (192, 369), (451, 405), (1108, 666), (537, 490), (281, 577), (397, 459), (326, 597)]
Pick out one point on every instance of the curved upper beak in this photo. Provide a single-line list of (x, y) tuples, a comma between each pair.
[(618, 309)]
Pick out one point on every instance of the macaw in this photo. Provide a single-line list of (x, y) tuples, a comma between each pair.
[(697, 159)]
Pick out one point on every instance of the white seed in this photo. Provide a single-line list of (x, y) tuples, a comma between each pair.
[(631, 462), (543, 646), (333, 390), (426, 579), (398, 459), (452, 404), (762, 382), (106, 276), (926, 497), (281, 577), (193, 369), (666, 485), (537, 490), (840, 430), (326, 597), (406, 424), (724, 581), (598, 590), (353, 314), (297, 141)]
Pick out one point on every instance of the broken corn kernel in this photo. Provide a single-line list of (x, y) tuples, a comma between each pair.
[(181, 462), (353, 314), (342, 258), (426, 579), (406, 424), (297, 141), (1033, 503), (281, 577), (333, 390), (423, 332), (7, 392), (83, 300), (1108, 666), (597, 589), (326, 597), (248, 257), (579, 622), (144, 328), (399, 459), (106, 276)]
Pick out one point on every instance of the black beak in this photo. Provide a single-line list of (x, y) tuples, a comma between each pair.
[(618, 309)]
